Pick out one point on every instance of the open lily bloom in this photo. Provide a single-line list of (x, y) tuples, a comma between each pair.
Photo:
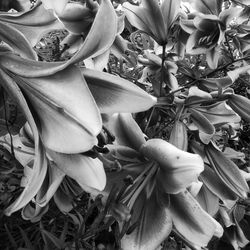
[(153, 18), (208, 31), (56, 97), (158, 196)]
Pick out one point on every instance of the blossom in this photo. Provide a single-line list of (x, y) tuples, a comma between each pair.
[(153, 18), (161, 174), (208, 30), (63, 111)]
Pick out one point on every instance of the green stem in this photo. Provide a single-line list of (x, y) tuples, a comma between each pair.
[(162, 67), (208, 75)]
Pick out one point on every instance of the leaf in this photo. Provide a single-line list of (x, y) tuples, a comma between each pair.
[(191, 222), (150, 230), (26, 239), (227, 171), (88, 172), (63, 102), (216, 83), (33, 23), (56, 241), (122, 94), (17, 41), (234, 74), (11, 238), (101, 35), (40, 162)]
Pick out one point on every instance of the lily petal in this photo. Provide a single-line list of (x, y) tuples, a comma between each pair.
[(40, 161), (95, 44), (17, 41), (88, 172), (122, 94), (148, 19), (170, 9), (59, 101), (57, 5), (151, 230), (126, 131), (191, 222), (178, 169), (33, 23)]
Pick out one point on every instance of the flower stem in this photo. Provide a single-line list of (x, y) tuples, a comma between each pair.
[(162, 68)]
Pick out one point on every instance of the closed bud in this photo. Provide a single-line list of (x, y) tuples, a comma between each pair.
[(241, 105), (178, 136)]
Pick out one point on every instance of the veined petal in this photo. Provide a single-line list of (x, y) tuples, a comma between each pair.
[(148, 19), (23, 153), (178, 169), (99, 39), (126, 131), (191, 46), (49, 188), (170, 9), (33, 23), (101, 35), (14, 38), (151, 230), (116, 95), (56, 5), (34, 212), (77, 18), (88, 172), (40, 161), (191, 222), (59, 101)]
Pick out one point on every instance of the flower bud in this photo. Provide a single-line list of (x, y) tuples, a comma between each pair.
[(241, 105)]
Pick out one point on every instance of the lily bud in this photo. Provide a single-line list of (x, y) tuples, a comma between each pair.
[(178, 136), (241, 105), (178, 169)]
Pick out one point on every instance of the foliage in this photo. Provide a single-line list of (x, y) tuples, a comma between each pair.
[(124, 124)]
